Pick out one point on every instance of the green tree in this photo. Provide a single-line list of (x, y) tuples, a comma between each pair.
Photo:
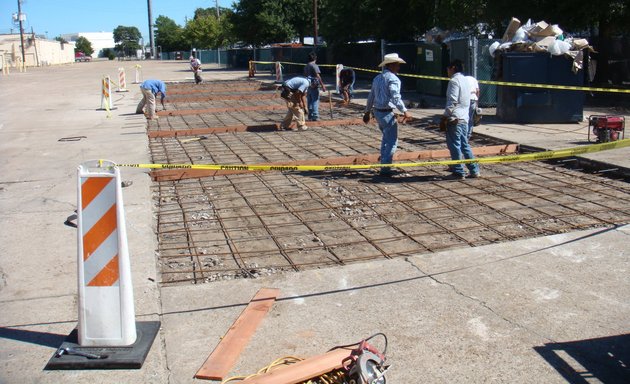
[(260, 22), (169, 35), (206, 31), (344, 21), (83, 45), (127, 39), (299, 15)]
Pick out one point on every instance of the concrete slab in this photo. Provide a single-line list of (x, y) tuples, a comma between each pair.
[(517, 312)]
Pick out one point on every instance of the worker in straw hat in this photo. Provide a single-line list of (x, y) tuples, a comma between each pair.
[(384, 97)]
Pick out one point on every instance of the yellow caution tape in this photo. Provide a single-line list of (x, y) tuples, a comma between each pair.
[(489, 82), (537, 156)]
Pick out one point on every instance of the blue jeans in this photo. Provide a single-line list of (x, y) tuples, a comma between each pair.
[(457, 142), (312, 101), (388, 125)]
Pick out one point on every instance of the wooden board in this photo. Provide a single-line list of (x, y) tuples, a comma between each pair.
[(226, 353), (304, 370)]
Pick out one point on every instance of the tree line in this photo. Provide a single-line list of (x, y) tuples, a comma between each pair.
[(262, 22)]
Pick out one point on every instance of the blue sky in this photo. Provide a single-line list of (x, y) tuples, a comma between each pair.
[(57, 17)]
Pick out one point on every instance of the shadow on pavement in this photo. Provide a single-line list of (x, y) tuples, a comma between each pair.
[(52, 340), (582, 361)]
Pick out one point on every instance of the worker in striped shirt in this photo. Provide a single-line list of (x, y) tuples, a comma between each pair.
[(384, 97)]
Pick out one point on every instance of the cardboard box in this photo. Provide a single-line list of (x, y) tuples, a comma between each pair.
[(511, 29)]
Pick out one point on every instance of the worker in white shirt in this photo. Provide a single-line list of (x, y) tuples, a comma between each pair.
[(474, 102)]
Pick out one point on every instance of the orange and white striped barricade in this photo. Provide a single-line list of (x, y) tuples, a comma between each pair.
[(106, 310), (107, 104), (279, 72), (108, 337), (122, 81), (138, 68), (338, 69)]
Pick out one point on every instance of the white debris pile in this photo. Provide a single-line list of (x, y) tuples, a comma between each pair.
[(541, 37)]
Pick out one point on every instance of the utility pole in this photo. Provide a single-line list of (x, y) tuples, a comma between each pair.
[(151, 41), (20, 19), (216, 5), (315, 25)]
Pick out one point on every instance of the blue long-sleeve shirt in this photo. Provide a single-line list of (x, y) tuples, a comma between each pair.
[(458, 97), (385, 92), (155, 86)]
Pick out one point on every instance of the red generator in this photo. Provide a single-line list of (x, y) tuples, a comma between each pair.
[(606, 128)]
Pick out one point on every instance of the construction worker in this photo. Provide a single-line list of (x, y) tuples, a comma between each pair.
[(456, 116), (474, 100), (195, 66), (294, 93), (312, 72), (384, 97), (150, 88), (346, 82)]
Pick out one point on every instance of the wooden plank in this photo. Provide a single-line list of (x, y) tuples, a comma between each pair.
[(226, 353), (180, 174), (303, 370)]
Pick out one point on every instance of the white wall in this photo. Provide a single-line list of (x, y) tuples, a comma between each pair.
[(99, 40), (37, 52)]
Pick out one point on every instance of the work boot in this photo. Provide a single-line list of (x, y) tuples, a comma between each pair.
[(454, 176)]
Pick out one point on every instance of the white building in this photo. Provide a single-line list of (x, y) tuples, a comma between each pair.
[(99, 40), (37, 51)]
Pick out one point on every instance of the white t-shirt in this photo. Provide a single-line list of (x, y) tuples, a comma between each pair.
[(474, 86)]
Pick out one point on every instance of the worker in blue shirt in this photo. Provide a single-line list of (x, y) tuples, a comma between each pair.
[(150, 88), (294, 93), (384, 97)]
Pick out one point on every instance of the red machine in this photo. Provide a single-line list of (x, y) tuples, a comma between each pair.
[(366, 365), (606, 128)]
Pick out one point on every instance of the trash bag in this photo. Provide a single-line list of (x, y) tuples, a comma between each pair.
[(519, 35), (493, 47), (559, 48)]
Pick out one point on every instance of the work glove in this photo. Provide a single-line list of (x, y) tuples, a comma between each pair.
[(366, 117)]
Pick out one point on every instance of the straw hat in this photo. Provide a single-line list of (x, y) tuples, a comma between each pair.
[(391, 58)]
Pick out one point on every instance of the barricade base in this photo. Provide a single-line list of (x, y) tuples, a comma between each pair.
[(129, 357), (122, 90)]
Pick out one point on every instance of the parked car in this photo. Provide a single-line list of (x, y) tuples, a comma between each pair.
[(80, 56)]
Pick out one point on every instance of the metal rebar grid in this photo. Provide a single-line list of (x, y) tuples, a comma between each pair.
[(255, 224), (235, 116), (247, 225), (217, 86), (265, 147)]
